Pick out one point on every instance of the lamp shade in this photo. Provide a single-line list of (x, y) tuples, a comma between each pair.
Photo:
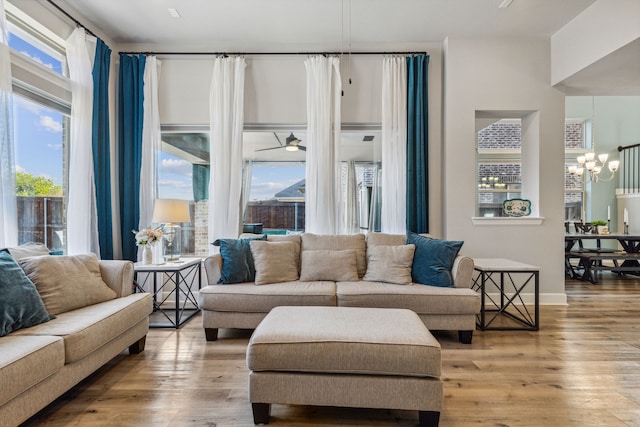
[(171, 211)]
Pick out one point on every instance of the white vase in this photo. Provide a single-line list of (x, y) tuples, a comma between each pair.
[(147, 254)]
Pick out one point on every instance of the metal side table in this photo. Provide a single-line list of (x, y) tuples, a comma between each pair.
[(164, 281), (501, 283)]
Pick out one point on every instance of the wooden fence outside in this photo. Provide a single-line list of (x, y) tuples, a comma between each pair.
[(42, 220)]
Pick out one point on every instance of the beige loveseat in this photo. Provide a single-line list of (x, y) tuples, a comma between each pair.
[(244, 305), (39, 363)]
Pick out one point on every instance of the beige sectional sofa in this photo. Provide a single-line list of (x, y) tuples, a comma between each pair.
[(244, 305), (39, 363)]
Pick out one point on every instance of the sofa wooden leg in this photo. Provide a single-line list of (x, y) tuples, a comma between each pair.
[(428, 418), (211, 334), (138, 346), (465, 337), (261, 413)]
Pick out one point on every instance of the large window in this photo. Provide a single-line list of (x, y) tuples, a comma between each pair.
[(499, 165), (40, 135), (41, 131)]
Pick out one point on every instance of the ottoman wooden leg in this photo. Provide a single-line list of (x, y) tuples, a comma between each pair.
[(261, 413), (428, 418)]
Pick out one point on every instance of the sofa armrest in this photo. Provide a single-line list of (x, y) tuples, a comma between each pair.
[(213, 268), (462, 271), (118, 275)]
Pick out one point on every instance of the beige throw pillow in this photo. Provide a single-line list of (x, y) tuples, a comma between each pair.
[(391, 264), (275, 262), (67, 282), (354, 242), (336, 266)]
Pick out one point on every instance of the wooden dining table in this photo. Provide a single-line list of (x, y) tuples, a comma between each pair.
[(625, 260)]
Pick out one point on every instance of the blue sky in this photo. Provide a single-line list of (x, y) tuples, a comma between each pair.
[(37, 130), (175, 178)]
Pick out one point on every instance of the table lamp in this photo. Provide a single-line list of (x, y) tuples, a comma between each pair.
[(170, 212)]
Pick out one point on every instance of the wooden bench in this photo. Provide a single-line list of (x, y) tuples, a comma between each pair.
[(591, 261)]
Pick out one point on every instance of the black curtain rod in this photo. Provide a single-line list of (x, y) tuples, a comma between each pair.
[(78, 23), (621, 148), (272, 53)]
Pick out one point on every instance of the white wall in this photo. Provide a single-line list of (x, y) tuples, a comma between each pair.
[(500, 74), (602, 28), (275, 93)]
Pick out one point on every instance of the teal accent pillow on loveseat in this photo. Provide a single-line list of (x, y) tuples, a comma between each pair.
[(20, 304), (433, 260)]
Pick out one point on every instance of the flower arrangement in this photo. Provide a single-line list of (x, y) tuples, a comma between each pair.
[(148, 236)]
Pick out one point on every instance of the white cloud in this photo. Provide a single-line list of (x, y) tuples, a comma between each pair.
[(55, 146), (174, 183), (20, 169), (32, 107), (266, 190), (178, 167), (50, 124), (37, 59)]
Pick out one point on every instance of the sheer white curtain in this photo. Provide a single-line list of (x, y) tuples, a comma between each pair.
[(8, 207), (394, 145), (82, 228), (151, 138), (246, 185), (227, 122), (323, 188)]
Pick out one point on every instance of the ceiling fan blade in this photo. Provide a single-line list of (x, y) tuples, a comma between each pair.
[(301, 147), (276, 135), (272, 148)]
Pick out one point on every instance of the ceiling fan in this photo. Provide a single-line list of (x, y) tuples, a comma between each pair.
[(292, 144)]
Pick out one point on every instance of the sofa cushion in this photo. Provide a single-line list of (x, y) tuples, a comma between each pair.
[(247, 298), (312, 242), (86, 329), (415, 297), (328, 265), (433, 260), (20, 303), (390, 264), (27, 360), (237, 260), (385, 239), (67, 282), (27, 249), (275, 262)]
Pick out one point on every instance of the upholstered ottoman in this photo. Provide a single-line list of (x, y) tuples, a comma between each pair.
[(345, 356)]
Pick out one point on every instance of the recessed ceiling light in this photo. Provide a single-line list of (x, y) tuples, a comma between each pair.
[(505, 4), (174, 13)]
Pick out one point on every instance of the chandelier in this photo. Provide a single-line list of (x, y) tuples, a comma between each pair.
[(589, 162), (595, 166)]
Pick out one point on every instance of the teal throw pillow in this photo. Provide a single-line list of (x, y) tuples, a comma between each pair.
[(432, 260), (237, 261), (20, 304)]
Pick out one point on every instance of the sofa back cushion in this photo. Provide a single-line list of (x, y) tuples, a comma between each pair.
[(329, 265), (385, 239), (27, 249), (67, 282), (356, 242), (20, 303), (275, 262)]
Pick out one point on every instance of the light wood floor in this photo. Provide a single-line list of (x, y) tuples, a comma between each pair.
[(581, 369)]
